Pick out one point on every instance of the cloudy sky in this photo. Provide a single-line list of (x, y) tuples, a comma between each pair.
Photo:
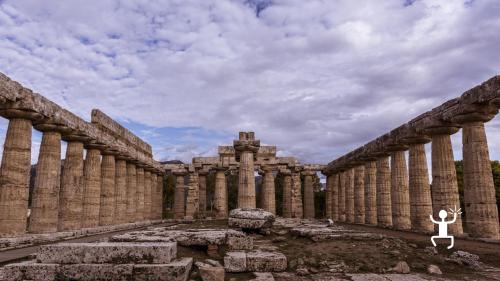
[(316, 78)]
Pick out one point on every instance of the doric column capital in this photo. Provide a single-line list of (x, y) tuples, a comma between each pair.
[(21, 114), (466, 113), (51, 127), (308, 173), (76, 137)]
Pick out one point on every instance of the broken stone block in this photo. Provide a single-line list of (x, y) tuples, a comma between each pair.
[(235, 262), (175, 271), (209, 272), (263, 276), (260, 261), (239, 242), (28, 270), (105, 252), (95, 272), (250, 219)]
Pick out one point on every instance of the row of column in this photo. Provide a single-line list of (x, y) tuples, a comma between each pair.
[(102, 189), (377, 193)]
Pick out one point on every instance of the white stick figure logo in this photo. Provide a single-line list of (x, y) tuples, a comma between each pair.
[(443, 225)]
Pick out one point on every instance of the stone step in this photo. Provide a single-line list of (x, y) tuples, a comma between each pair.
[(177, 270), (106, 252), (255, 261)]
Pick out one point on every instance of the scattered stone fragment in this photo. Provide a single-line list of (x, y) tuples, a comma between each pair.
[(401, 267), (208, 272), (235, 262), (434, 269), (250, 219), (263, 276), (466, 258)]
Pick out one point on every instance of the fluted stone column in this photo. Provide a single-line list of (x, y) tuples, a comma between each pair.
[(131, 192), (400, 196), (179, 195), (108, 174), (359, 194), (14, 175), (342, 198), (120, 190), (192, 202), (371, 192), (268, 194), (220, 195), (479, 189), (349, 195), (420, 192), (328, 197), (202, 179), (246, 147), (308, 194), (140, 193), (160, 196), (91, 187), (384, 206), (287, 193), (334, 179), (71, 194), (296, 197), (154, 196), (45, 198), (147, 194)]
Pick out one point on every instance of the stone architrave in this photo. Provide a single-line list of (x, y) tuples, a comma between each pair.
[(371, 193), (91, 187), (383, 178)]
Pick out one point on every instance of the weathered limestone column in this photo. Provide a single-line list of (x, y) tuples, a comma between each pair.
[(120, 190), (349, 195), (131, 192), (371, 192), (160, 196), (420, 191), (359, 194), (108, 174), (269, 193), (179, 194), (383, 178), (154, 196), (479, 190), (220, 194), (444, 189), (296, 196), (341, 200), (15, 173), (71, 194), (45, 198), (400, 195), (287, 193), (328, 196), (192, 202), (246, 148), (140, 193), (147, 193), (308, 194), (91, 186), (334, 179), (202, 179)]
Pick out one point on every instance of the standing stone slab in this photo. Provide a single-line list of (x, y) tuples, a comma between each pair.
[(118, 253)]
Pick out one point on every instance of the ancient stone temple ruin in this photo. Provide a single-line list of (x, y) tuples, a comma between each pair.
[(100, 214)]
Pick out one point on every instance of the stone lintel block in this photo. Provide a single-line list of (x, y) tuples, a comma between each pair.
[(105, 252), (260, 261), (235, 262)]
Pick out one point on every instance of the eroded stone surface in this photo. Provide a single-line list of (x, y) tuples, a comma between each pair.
[(235, 262), (250, 218)]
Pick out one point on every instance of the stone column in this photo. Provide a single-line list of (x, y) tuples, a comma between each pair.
[(335, 196), (296, 197), (269, 193), (71, 194), (179, 196), (154, 196), (308, 194), (359, 194), (192, 202), (147, 194), (400, 195), (140, 193), (287, 193), (479, 189), (108, 174), (45, 198), (444, 191), (160, 196), (383, 178), (341, 200), (371, 192), (220, 194), (15, 173), (91, 186), (420, 192), (120, 190), (131, 192), (202, 179), (246, 148), (349, 195), (328, 197)]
